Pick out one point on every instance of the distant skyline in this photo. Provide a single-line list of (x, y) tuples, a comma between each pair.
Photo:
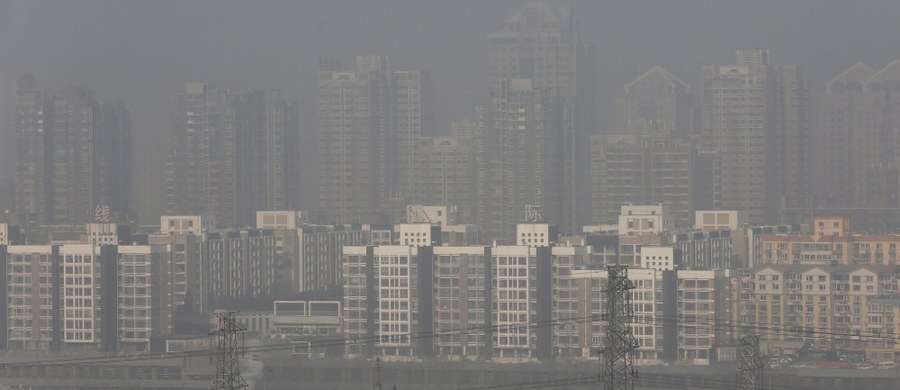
[(144, 52)]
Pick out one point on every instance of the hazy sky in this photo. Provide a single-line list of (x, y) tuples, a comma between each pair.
[(145, 51)]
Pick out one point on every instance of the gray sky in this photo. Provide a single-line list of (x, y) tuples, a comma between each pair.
[(145, 51)]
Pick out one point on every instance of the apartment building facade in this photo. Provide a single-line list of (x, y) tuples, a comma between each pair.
[(521, 304), (833, 306), (82, 297)]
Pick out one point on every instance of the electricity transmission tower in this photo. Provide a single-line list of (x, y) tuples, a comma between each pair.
[(617, 370), (228, 372), (751, 368), (377, 385)]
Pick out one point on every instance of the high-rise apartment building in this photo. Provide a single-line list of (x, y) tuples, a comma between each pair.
[(527, 164), (857, 173), (83, 297), (369, 122), (655, 104), (232, 153), (540, 44), (754, 115), (642, 170), (444, 174), (73, 154)]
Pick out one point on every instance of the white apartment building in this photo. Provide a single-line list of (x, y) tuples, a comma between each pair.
[(535, 234), (646, 299), (697, 303), (102, 234), (461, 301), (389, 313), (659, 258), (512, 268), (638, 220), (419, 234), (80, 293), (396, 267), (715, 220), (145, 295)]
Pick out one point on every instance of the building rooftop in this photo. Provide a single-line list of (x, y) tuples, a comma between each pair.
[(891, 72), (836, 268), (656, 75), (858, 73)]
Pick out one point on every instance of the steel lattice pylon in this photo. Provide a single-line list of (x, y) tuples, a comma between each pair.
[(617, 370), (751, 368), (228, 372)]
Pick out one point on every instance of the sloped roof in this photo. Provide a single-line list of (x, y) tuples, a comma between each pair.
[(888, 73), (858, 73), (657, 75), (838, 268)]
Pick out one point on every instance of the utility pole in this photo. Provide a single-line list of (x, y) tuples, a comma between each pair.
[(228, 370), (751, 368), (617, 370)]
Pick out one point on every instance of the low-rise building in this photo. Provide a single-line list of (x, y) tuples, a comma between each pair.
[(831, 306), (716, 220), (186, 224), (536, 234), (660, 258), (639, 220)]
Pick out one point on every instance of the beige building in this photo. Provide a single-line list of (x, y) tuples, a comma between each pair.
[(640, 220), (831, 226), (279, 220), (853, 249), (715, 220), (840, 307)]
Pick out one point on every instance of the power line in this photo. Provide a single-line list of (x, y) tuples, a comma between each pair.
[(654, 319)]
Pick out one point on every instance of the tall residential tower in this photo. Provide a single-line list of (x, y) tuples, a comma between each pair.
[(539, 52), (755, 116), (232, 154), (73, 153), (858, 169), (369, 124)]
